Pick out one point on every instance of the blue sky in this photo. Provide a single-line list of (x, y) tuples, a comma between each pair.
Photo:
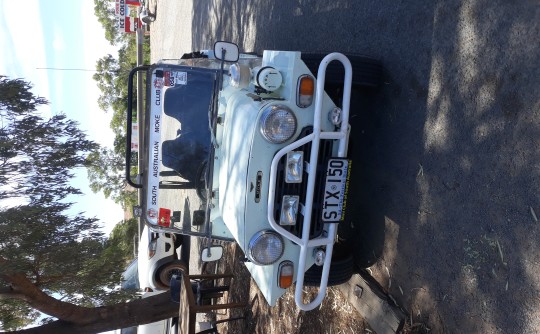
[(61, 34)]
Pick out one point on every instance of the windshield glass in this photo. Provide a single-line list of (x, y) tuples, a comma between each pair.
[(178, 145), (130, 277)]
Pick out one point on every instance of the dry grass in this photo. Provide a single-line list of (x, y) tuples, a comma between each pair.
[(335, 315)]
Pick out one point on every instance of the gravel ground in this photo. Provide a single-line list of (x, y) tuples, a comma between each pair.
[(448, 169)]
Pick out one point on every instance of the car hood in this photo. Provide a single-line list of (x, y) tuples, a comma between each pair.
[(234, 155)]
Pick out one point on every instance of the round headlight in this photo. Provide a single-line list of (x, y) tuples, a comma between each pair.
[(265, 247), (278, 124)]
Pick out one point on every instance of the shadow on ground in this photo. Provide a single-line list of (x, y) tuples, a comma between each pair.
[(449, 151)]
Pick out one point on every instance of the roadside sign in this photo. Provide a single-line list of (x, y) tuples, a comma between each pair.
[(127, 15), (134, 137)]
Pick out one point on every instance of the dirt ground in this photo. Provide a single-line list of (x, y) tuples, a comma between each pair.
[(335, 315)]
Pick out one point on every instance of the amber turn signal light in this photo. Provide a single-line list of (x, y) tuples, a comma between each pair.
[(306, 89), (285, 274)]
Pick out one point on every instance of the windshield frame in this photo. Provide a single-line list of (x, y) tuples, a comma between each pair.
[(205, 231)]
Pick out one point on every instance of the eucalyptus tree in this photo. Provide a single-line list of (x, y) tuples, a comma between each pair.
[(52, 261)]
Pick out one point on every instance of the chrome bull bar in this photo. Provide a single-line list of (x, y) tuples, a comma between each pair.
[(342, 136)]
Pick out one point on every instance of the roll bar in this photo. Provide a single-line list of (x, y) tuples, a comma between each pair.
[(132, 73)]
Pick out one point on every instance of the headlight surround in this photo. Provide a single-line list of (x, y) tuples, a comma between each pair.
[(278, 124), (265, 248)]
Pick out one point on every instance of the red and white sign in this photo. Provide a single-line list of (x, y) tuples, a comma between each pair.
[(134, 137), (127, 15), (164, 218)]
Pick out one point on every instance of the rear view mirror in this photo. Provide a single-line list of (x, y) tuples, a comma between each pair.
[(213, 253), (226, 51)]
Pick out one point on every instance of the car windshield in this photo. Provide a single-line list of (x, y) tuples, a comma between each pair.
[(130, 277), (178, 146)]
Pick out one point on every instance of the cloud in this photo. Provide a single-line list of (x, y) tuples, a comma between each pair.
[(22, 46), (58, 43), (95, 45)]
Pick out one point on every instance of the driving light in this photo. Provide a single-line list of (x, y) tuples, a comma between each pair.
[(319, 255), (294, 168), (265, 247), (285, 274), (306, 88), (278, 124), (289, 210)]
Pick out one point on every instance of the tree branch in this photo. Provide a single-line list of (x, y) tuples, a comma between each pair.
[(123, 315), (25, 290), (6, 292)]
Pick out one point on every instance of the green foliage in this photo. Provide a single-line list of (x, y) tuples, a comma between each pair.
[(106, 173), (107, 70), (104, 11), (17, 98), (16, 314), (122, 239), (106, 167), (59, 253), (37, 156), (62, 254)]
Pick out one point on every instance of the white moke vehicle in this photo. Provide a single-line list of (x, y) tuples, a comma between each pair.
[(265, 149)]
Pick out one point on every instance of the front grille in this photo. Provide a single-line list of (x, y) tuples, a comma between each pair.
[(300, 189)]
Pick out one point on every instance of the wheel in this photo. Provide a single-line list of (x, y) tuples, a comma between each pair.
[(367, 71), (341, 270), (167, 271), (199, 216), (200, 185)]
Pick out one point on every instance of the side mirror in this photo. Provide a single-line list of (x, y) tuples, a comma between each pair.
[(213, 253), (226, 51)]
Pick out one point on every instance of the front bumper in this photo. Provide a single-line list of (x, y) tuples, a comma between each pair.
[(341, 135)]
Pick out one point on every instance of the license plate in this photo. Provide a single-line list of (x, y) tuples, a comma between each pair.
[(335, 190)]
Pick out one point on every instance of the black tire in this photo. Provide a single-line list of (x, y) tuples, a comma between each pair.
[(367, 71), (166, 272), (341, 270), (199, 217)]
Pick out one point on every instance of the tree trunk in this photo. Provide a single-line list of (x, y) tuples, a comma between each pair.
[(107, 318), (78, 319), (22, 288)]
